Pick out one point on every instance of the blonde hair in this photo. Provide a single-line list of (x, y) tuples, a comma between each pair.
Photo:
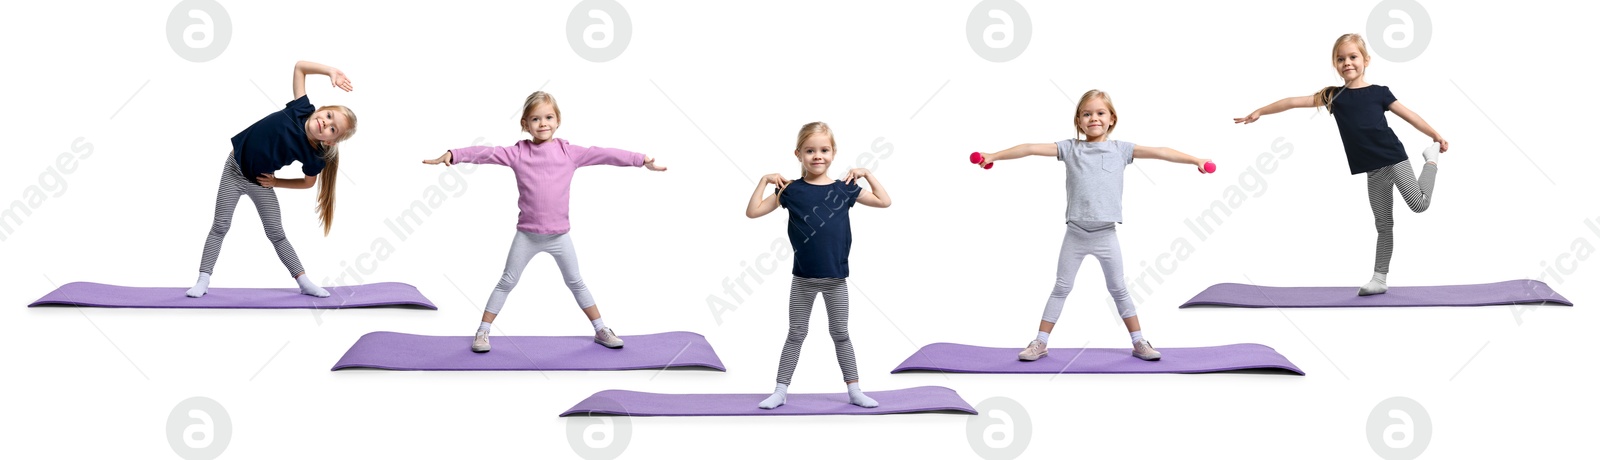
[(812, 129), (1325, 97), (1083, 101), (330, 172), (538, 97)]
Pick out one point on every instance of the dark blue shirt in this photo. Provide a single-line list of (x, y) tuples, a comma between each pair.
[(819, 227), (1368, 142), (277, 140)]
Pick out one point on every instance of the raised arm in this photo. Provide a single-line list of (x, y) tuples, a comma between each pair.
[(1417, 122), (303, 68), (1043, 150), (762, 206), (877, 197), (1300, 102), (1172, 155)]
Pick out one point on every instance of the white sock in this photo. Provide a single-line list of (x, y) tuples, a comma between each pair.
[(200, 285), (1378, 285), (309, 288), (1044, 337), (779, 396), (1431, 154), (858, 398), (1137, 336), (599, 323), (483, 326)]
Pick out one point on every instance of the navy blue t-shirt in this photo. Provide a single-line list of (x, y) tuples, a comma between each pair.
[(1368, 142), (277, 140), (819, 227)]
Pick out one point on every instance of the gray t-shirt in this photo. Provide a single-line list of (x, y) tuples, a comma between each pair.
[(1094, 178)]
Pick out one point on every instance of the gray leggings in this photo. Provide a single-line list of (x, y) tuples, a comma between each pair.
[(523, 248), (1085, 238), (1381, 184), (229, 189), (802, 294)]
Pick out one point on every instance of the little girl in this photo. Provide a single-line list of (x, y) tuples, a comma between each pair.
[(1095, 168), (300, 133), (819, 231), (1370, 146), (544, 166)]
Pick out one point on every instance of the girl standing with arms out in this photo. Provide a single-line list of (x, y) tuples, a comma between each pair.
[(544, 166), (819, 231), (1370, 146), (1095, 168), (300, 132)]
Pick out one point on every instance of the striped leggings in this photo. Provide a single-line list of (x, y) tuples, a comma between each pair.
[(802, 294), (233, 185), (1381, 184)]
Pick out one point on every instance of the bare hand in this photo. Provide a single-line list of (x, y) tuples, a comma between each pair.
[(1200, 164), (340, 80), (445, 159), (1443, 144), (987, 159), (776, 179), (650, 164), (267, 180), (857, 173), (1248, 119)]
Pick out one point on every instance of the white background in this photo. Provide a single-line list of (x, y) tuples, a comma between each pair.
[(716, 91)]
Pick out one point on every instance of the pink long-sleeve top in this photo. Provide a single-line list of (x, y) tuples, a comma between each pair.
[(544, 176)]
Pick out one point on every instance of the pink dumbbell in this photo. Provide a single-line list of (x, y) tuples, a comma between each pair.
[(1211, 167), (978, 158)]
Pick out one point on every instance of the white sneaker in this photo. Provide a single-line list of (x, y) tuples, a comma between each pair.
[(480, 342), (1144, 351), (607, 338), (1034, 351)]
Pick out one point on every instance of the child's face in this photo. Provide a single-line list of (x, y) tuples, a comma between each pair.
[(1349, 62), (541, 123), (1095, 119), (816, 154), (324, 126)]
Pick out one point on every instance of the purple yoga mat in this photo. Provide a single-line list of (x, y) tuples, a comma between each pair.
[(1464, 295), (640, 404), (952, 357), (105, 295), (410, 352)]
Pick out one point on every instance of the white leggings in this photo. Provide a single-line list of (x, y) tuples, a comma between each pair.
[(1086, 238), (523, 248)]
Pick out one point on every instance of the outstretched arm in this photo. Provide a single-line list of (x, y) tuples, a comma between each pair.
[(271, 181), (878, 196), (303, 68), (447, 159), (1043, 150), (1172, 155), (1301, 102), (760, 207), (1417, 122)]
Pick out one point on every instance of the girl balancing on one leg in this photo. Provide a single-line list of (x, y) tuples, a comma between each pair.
[(544, 166), (1370, 146), (819, 231), (1095, 168), (300, 132)]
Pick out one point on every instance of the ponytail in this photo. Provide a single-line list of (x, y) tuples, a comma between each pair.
[(325, 188), (1325, 97)]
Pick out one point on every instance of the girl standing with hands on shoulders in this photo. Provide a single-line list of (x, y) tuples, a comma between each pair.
[(298, 133), (819, 232), (1370, 146), (1095, 168), (544, 166)]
